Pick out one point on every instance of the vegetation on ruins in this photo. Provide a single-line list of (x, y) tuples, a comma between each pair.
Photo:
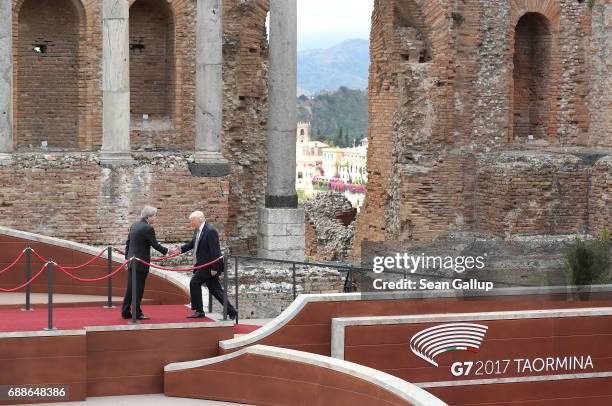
[(588, 261)]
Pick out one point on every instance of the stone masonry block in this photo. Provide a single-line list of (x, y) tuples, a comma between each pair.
[(280, 243), (288, 255), (274, 229), (281, 216), (296, 229)]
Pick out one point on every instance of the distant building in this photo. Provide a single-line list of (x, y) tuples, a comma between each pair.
[(308, 158), (317, 160), (303, 132), (346, 164), (352, 167), (331, 162)]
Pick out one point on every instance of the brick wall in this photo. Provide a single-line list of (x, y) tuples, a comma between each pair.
[(499, 70), (70, 196), (410, 54), (162, 66), (600, 202), (531, 192), (151, 60), (382, 101), (89, 203), (80, 99), (47, 51), (532, 49), (441, 105), (599, 66)]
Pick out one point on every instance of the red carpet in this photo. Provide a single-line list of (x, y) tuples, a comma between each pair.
[(245, 328), (74, 318)]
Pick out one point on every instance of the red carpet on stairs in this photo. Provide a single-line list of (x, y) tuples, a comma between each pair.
[(245, 328), (74, 318)]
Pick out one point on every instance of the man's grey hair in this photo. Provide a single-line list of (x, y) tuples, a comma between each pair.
[(197, 215), (148, 211)]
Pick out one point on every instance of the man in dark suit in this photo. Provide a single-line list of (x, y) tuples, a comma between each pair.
[(205, 243), (139, 242)]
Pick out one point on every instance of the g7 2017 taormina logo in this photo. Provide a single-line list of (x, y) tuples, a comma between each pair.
[(436, 340), (433, 341)]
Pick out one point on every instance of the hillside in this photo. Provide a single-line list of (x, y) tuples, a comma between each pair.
[(345, 64), (339, 117)]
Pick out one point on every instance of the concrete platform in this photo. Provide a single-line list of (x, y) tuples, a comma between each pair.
[(144, 400), (16, 299)]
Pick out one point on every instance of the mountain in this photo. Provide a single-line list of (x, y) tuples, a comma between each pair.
[(345, 64), (339, 118)]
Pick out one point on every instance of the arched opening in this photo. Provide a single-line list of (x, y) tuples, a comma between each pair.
[(415, 45), (47, 82), (152, 64), (532, 71)]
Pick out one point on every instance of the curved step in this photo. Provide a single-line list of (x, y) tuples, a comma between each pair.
[(270, 375)]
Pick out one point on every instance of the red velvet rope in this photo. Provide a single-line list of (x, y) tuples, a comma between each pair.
[(77, 267), (27, 283), (37, 255), (72, 268), (180, 269), (13, 264), (110, 275), (157, 259), (66, 269)]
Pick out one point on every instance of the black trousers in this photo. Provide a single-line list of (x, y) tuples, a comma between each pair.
[(141, 278), (203, 276)]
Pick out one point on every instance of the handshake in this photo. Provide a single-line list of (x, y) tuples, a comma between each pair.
[(174, 251)]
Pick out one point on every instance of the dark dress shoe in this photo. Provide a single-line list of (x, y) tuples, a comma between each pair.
[(196, 315), (232, 316), (143, 317), (126, 316)]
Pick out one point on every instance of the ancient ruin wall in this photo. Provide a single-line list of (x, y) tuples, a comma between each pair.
[(516, 69), (71, 196), (72, 183), (600, 196), (531, 193), (409, 41), (600, 65)]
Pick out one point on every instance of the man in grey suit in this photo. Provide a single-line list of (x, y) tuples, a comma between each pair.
[(139, 242)]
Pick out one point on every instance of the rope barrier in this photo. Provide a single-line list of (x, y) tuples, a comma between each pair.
[(66, 269), (77, 267), (72, 268), (157, 259), (27, 283), (37, 255), (14, 262), (179, 269), (110, 275)]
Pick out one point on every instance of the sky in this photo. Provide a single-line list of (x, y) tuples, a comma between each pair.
[(324, 23)]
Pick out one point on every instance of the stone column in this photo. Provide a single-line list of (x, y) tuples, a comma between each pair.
[(6, 80), (281, 223), (209, 160), (116, 83)]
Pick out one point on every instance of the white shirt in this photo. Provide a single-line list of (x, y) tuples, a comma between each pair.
[(197, 240)]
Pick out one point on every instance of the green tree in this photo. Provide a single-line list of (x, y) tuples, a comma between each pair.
[(339, 140), (328, 112)]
